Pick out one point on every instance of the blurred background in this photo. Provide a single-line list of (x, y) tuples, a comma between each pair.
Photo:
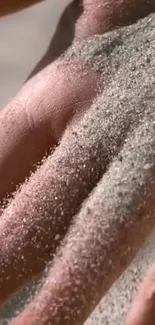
[(25, 36)]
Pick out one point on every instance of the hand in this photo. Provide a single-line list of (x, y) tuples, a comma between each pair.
[(142, 311), (48, 117)]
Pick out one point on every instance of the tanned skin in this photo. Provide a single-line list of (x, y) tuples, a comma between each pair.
[(30, 126)]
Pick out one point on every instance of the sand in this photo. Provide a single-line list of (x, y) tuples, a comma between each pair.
[(125, 110), (125, 59), (114, 306)]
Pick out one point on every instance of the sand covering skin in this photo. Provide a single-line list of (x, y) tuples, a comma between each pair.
[(112, 147)]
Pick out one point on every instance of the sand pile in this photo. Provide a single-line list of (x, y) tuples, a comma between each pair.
[(111, 149)]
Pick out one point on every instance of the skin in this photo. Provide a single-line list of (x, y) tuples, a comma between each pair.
[(31, 125), (142, 311)]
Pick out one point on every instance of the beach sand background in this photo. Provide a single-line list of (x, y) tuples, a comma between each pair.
[(24, 39)]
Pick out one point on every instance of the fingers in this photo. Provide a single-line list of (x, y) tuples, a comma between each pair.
[(101, 16), (44, 207), (23, 138), (114, 13), (103, 238), (37, 117), (38, 217), (142, 311), (10, 6), (64, 35), (85, 152), (35, 224), (27, 117), (19, 149)]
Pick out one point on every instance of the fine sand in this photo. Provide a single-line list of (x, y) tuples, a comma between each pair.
[(113, 308), (124, 110)]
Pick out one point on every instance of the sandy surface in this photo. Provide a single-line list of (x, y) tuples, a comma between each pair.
[(112, 309), (24, 38)]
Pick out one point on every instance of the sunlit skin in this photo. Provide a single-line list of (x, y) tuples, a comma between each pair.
[(30, 126)]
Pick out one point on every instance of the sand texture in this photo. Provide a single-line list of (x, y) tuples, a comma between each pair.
[(114, 306), (118, 132)]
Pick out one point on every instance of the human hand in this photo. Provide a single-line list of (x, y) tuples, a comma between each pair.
[(51, 110), (142, 311)]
